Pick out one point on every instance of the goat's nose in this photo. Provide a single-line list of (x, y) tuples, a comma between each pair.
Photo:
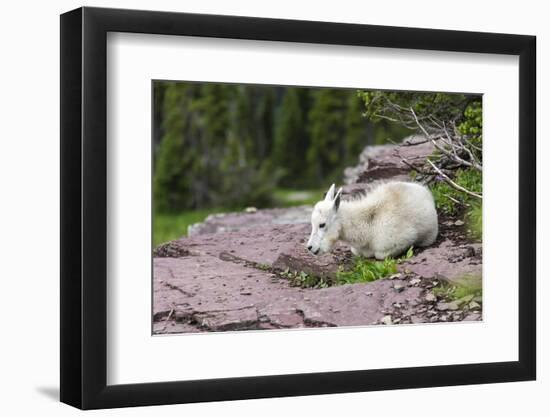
[(309, 247)]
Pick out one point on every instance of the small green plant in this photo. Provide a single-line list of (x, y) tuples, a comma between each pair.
[(474, 221), (469, 287), (472, 128), (263, 267), (449, 200), (304, 280), (368, 270), (452, 202)]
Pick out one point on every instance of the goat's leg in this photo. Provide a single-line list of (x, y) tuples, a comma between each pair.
[(382, 255), (393, 252), (365, 252)]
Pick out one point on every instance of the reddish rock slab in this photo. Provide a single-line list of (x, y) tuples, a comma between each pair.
[(299, 259), (273, 246), (173, 327), (456, 264), (239, 319), (383, 162), (213, 294), (261, 245), (355, 190), (231, 222), (205, 283), (205, 293), (356, 304)]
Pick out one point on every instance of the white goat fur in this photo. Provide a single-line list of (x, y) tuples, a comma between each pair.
[(391, 218)]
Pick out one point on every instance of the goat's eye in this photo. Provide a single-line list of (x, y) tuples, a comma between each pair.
[(322, 225)]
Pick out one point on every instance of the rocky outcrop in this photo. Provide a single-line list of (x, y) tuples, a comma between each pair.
[(192, 295), (239, 271), (385, 162)]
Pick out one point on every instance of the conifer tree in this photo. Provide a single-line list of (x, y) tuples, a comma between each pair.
[(291, 140), (327, 122)]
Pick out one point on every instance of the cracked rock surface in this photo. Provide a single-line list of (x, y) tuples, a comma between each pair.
[(191, 294), (226, 275), (385, 162)]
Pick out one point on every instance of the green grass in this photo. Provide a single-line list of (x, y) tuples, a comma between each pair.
[(474, 221), (168, 227), (445, 196), (470, 286), (173, 226), (368, 270), (286, 197)]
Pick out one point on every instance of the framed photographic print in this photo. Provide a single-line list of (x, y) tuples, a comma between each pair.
[(257, 207)]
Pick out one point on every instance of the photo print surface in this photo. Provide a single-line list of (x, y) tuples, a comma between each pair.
[(299, 207)]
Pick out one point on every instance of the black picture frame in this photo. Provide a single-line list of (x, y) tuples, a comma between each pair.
[(84, 207)]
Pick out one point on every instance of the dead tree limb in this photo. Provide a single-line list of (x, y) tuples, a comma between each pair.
[(452, 183)]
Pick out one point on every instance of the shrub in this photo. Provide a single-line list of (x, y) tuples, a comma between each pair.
[(449, 200), (474, 221)]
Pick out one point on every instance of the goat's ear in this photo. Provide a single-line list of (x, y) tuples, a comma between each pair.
[(337, 199), (329, 196)]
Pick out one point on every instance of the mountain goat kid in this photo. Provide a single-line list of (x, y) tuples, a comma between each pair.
[(391, 218)]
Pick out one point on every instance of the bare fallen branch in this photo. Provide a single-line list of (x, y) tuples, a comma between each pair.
[(413, 167), (428, 136), (452, 183), (455, 150), (477, 148), (420, 142), (456, 201), (452, 144)]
